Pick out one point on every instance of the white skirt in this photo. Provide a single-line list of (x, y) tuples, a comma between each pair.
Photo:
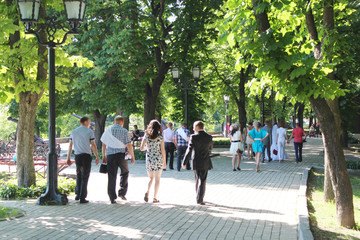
[(235, 146)]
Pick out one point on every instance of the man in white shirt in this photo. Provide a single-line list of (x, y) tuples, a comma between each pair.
[(169, 136)]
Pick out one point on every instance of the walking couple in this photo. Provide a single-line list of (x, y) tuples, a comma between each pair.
[(198, 149)]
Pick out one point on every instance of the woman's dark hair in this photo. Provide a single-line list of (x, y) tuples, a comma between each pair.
[(234, 128), (154, 129)]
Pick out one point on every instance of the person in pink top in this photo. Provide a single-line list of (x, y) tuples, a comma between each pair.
[(297, 134)]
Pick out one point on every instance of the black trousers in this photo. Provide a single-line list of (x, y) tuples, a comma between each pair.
[(298, 151), (114, 161), (83, 168), (169, 149), (200, 185), (180, 156)]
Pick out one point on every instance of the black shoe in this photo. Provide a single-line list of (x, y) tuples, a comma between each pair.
[(234, 170), (123, 197), (113, 201), (201, 203), (171, 168), (146, 198), (77, 198), (83, 201), (263, 161), (164, 169), (239, 169), (188, 169)]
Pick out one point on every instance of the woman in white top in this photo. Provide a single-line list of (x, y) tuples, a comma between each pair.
[(236, 147), (281, 138)]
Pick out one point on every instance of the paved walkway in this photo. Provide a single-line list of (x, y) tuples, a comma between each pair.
[(240, 205)]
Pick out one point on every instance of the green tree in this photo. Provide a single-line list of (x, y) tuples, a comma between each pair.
[(280, 36)]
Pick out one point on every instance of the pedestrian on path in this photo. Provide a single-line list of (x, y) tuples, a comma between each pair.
[(249, 142), (274, 149), (257, 136), (267, 143), (153, 143), (181, 142), (169, 138), (297, 134), (115, 141), (199, 149), (83, 140), (281, 139), (236, 147)]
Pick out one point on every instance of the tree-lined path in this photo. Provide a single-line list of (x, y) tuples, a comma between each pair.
[(240, 205)]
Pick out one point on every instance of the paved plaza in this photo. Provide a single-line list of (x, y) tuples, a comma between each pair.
[(239, 205)]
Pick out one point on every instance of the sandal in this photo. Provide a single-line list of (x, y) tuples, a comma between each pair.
[(146, 198), (155, 200), (238, 168)]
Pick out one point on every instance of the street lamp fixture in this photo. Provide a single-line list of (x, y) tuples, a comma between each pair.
[(226, 99), (29, 15), (185, 85), (196, 71), (175, 72)]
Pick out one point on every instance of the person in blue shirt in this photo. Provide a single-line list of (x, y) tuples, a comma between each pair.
[(258, 135)]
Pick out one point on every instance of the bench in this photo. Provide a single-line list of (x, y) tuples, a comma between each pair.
[(39, 164)]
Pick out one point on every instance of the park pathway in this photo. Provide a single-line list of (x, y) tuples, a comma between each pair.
[(240, 205)]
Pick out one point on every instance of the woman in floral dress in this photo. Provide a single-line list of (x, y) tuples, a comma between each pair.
[(153, 143)]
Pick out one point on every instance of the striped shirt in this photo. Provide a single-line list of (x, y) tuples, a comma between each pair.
[(122, 134)]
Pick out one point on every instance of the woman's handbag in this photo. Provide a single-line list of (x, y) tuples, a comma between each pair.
[(103, 168), (275, 152)]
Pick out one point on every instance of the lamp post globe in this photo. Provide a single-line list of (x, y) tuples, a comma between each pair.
[(75, 12), (29, 10), (175, 72), (196, 71)]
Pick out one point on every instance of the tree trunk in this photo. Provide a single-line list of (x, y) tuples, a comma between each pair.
[(149, 105), (337, 164), (25, 139), (300, 114), (99, 120), (126, 118), (28, 102), (152, 92), (241, 101), (328, 188)]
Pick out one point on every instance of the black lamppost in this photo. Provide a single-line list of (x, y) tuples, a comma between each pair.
[(226, 100), (185, 85), (29, 15)]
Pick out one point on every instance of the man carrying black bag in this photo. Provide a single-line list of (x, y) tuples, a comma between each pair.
[(84, 140)]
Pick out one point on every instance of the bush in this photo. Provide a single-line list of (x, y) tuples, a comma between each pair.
[(139, 155), (221, 141), (352, 164), (9, 190)]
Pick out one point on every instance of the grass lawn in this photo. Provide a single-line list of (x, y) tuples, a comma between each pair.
[(6, 213), (323, 220)]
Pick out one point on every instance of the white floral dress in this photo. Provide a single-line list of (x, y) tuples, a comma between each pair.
[(154, 159)]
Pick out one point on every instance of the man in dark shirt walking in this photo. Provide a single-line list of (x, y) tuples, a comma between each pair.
[(199, 149)]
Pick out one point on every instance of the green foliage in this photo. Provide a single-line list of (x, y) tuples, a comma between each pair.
[(353, 164), (283, 54), (7, 126), (221, 141), (9, 190), (139, 155), (6, 213)]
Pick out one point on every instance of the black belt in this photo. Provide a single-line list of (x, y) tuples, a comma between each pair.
[(236, 141)]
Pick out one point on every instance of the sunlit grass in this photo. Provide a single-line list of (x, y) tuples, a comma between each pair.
[(6, 213), (324, 224)]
